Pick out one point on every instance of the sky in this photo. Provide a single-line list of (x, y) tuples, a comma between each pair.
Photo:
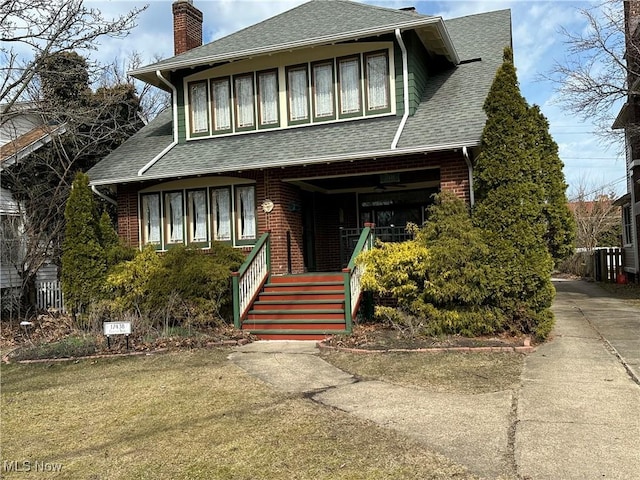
[(590, 163)]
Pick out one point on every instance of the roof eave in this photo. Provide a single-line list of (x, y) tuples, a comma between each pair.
[(302, 161), (621, 118), (147, 74)]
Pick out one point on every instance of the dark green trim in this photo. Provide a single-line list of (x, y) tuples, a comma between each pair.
[(193, 134), (287, 69), (386, 109), (330, 61), (211, 106), (267, 125), (166, 232), (358, 113), (206, 243), (253, 105)]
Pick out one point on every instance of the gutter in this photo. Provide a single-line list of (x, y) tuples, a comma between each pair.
[(103, 196), (405, 89), (465, 154), (174, 95)]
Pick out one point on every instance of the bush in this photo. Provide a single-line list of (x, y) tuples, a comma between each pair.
[(182, 287)]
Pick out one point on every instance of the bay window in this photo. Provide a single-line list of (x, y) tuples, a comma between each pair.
[(221, 213), (323, 91), (197, 216), (298, 94), (245, 214), (244, 102), (221, 105), (350, 93), (174, 224), (199, 108), (268, 98), (377, 78), (150, 205)]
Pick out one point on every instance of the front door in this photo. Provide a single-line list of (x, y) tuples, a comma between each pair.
[(309, 231)]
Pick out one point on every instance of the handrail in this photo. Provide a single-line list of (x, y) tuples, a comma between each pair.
[(250, 278), (353, 273)]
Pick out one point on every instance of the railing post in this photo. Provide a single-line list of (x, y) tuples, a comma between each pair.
[(236, 299), (348, 317)]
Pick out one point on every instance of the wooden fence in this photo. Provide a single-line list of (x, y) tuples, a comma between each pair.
[(607, 264), (49, 295)]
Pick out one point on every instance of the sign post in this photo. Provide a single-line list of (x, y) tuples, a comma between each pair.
[(116, 328)]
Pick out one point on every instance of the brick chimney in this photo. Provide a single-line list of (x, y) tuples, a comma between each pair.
[(187, 26)]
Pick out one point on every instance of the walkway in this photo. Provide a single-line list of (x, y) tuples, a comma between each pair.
[(576, 416)]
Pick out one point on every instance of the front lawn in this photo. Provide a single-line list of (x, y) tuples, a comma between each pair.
[(190, 415)]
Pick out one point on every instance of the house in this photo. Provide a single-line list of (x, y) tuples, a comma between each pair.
[(309, 125), (22, 132), (629, 120)]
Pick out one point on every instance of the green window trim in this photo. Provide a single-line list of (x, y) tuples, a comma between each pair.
[(241, 85), (316, 78), (387, 79), (197, 220), (343, 78), (306, 104), (260, 93), (216, 84), (199, 88)]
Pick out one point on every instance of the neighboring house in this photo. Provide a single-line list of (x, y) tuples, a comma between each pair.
[(308, 126), (629, 120), (22, 132)]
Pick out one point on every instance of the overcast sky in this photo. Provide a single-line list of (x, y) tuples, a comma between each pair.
[(537, 44)]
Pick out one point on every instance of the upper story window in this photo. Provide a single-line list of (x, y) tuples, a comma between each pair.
[(350, 87), (268, 98), (323, 91), (329, 89), (627, 226), (245, 115), (298, 94), (221, 104), (199, 115)]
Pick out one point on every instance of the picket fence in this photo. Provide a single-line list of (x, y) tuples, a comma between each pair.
[(49, 295)]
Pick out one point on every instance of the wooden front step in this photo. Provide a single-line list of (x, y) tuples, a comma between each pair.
[(309, 306)]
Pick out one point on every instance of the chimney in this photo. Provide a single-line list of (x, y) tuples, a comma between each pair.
[(187, 26)]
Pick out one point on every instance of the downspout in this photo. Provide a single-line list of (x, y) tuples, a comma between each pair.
[(465, 154), (103, 196), (405, 89), (175, 125)]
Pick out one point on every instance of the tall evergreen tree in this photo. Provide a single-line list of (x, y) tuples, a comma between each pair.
[(83, 258), (510, 200), (561, 226)]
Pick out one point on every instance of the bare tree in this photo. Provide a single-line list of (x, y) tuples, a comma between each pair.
[(31, 31), (597, 218), (593, 79)]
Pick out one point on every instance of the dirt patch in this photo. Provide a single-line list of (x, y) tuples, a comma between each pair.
[(380, 337)]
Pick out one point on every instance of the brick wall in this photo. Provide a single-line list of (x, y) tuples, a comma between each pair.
[(187, 26), (128, 225), (330, 211)]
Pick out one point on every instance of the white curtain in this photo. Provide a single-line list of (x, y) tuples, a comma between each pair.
[(350, 85), (223, 215), (268, 85), (175, 217), (377, 82), (198, 204), (151, 212), (247, 213), (244, 99), (323, 82), (221, 105), (298, 94), (199, 107)]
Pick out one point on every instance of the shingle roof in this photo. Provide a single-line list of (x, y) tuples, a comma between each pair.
[(313, 22), (449, 116)]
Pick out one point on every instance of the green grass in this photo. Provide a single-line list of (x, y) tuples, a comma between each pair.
[(190, 415), (469, 373)]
